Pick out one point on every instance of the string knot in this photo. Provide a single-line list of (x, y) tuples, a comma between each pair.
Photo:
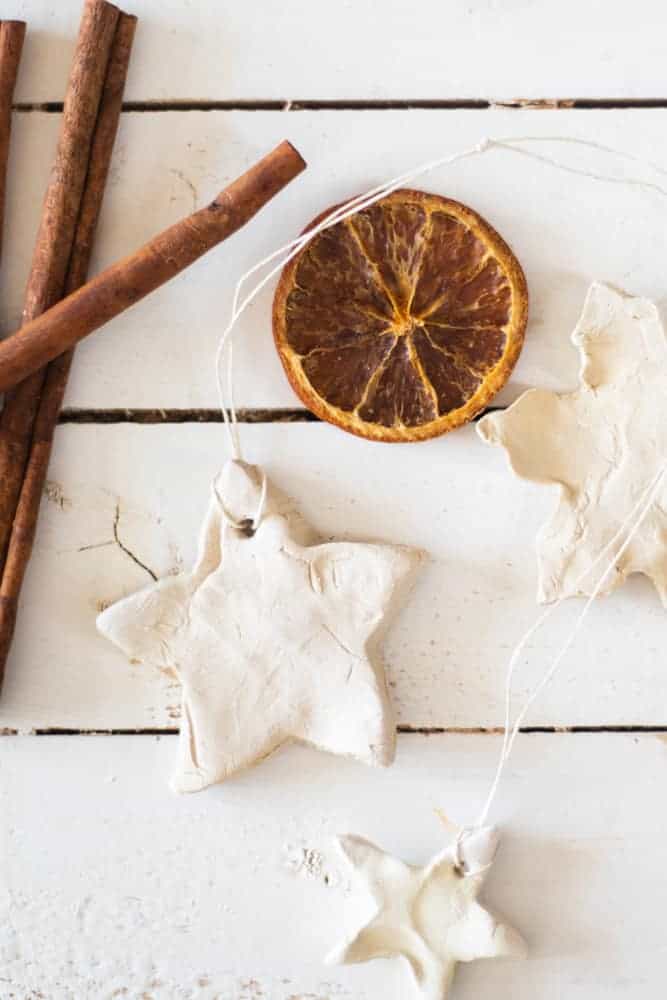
[(460, 863), (246, 526)]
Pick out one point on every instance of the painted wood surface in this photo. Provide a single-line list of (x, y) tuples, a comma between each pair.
[(195, 49), (116, 888), (125, 501), (110, 886), (161, 353)]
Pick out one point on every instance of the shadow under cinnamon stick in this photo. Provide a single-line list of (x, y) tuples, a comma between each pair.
[(123, 284)]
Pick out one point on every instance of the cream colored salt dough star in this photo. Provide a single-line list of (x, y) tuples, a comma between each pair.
[(602, 444), (429, 915), (270, 640)]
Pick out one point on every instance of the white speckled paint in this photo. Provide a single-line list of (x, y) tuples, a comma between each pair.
[(110, 886), (109, 882), (160, 353), (446, 651)]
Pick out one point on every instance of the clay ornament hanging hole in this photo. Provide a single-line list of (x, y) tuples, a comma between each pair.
[(404, 320), (247, 527)]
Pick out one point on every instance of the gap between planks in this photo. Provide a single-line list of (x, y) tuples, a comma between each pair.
[(519, 103), (402, 730), (159, 415), (297, 415), (201, 415)]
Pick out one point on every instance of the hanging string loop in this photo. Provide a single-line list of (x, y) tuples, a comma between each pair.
[(284, 254), (247, 525), (224, 379)]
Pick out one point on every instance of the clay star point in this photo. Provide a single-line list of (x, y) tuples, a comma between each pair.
[(603, 445), (429, 916), (272, 641)]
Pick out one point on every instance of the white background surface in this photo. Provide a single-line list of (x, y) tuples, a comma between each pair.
[(109, 885)]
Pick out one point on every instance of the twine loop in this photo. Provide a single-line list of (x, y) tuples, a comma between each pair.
[(623, 537), (285, 253), (246, 526)]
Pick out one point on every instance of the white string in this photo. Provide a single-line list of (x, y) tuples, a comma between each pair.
[(641, 509), (233, 425), (289, 250), (248, 525), (574, 140)]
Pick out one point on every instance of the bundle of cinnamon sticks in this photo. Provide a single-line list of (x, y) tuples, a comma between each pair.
[(35, 361), (60, 265)]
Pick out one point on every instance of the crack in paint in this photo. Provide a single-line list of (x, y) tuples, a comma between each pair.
[(124, 548), (97, 545), (188, 183)]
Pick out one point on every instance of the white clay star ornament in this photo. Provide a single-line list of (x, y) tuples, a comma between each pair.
[(429, 916), (602, 444), (272, 641)]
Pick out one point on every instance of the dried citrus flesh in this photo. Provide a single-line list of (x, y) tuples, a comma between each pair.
[(402, 321)]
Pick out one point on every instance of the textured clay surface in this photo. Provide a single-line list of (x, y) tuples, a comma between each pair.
[(273, 643), (429, 916), (603, 445)]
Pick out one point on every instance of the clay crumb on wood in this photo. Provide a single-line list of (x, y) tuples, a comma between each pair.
[(55, 494)]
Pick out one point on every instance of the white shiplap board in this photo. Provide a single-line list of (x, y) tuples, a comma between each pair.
[(447, 652), (113, 887), (160, 354), (109, 885), (316, 49)]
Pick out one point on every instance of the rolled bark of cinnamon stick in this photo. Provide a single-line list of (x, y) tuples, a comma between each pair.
[(62, 203), (22, 535), (123, 284), (12, 35)]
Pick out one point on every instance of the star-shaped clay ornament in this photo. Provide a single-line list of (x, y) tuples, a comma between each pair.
[(602, 444), (429, 915), (272, 641)]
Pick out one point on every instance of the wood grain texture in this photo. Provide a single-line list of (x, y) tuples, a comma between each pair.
[(161, 354), (124, 504), (351, 50), (237, 893)]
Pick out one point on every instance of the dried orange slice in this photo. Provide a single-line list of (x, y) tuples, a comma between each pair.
[(402, 321)]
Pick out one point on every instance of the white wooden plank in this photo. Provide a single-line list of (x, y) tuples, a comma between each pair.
[(566, 230), (447, 651), (111, 886), (319, 50)]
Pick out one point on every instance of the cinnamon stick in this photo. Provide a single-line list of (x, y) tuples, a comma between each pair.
[(126, 282), (27, 510), (55, 238), (12, 34)]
